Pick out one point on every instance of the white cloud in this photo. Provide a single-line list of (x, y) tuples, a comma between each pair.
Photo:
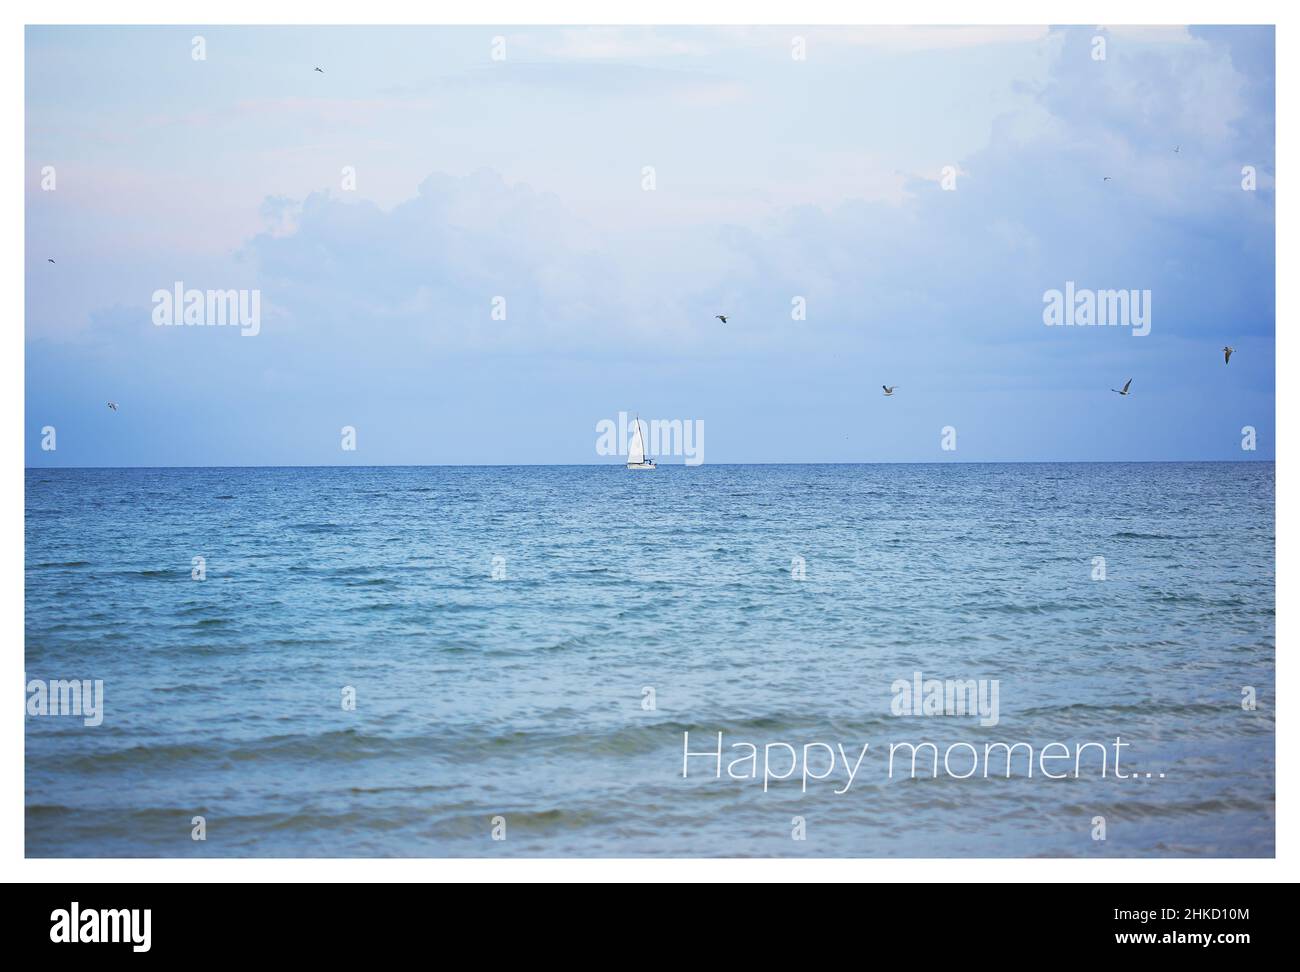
[(927, 38)]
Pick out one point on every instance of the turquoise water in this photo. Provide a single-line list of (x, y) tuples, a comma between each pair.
[(524, 697)]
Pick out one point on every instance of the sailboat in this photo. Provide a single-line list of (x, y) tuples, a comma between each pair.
[(636, 451)]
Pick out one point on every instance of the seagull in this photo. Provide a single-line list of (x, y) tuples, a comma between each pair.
[(889, 389), (1117, 391), (1176, 148), (1227, 353), (321, 71), (721, 317), (113, 406), (1105, 178), (49, 259)]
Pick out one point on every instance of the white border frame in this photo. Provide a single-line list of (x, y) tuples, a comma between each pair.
[(698, 12)]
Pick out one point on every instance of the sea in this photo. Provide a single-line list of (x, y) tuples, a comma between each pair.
[(537, 661)]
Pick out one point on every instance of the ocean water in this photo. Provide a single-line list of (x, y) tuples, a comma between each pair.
[(551, 703)]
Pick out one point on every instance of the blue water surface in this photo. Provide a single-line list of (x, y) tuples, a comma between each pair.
[(627, 609)]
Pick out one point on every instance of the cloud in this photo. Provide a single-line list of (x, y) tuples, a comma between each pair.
[(1030, 211), (910, 39), (381, 305), (613, 43), (624, 43), (588, 79)]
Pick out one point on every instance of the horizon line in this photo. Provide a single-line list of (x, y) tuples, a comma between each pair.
[(613, 465)]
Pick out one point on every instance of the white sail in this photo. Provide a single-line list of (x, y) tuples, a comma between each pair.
[(636, 451)]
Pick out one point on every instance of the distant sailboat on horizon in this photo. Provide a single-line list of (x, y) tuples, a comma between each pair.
[(636, 451)]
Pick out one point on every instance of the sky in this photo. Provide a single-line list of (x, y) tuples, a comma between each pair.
[(472, 245)]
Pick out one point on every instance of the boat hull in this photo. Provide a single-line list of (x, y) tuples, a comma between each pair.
[(640, 465)]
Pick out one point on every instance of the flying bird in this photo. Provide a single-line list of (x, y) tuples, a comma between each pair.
[(49, 259), (889, 389), (721, 317), (1227, 353), (1105, 178), (1176, 148), (321, 71), (113, 406), (1124, 391)]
